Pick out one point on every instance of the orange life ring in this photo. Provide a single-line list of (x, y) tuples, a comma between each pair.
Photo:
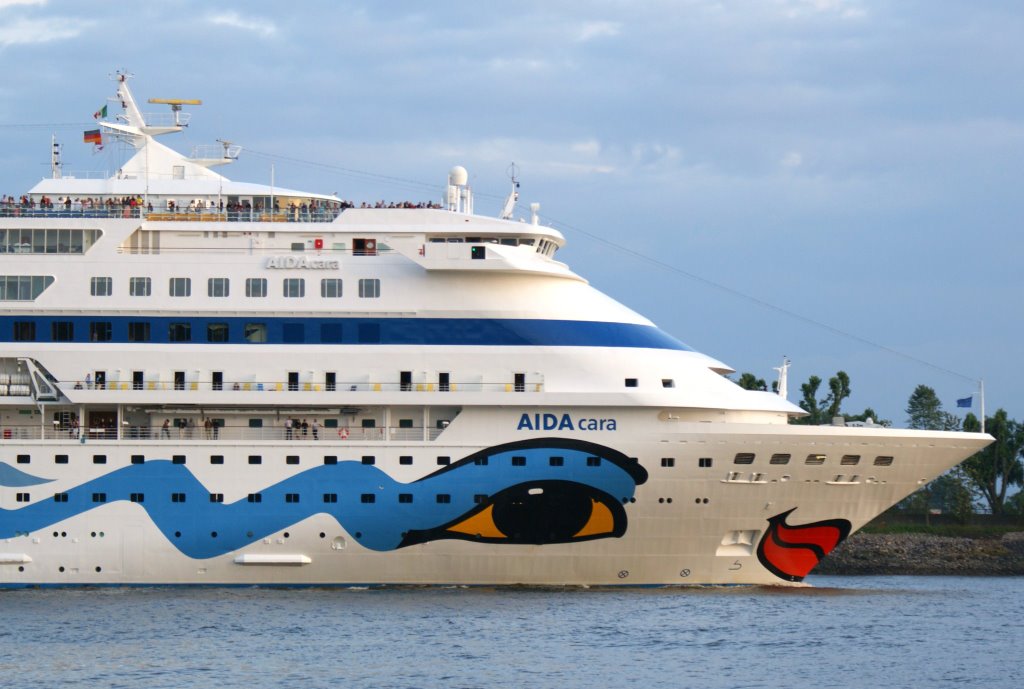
[(343, 433)]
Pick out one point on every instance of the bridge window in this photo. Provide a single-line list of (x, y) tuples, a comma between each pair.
[(47, 241), (140, 287), (218, 287), (23, 287), (101, 287), (255, 287), (330, 288), (294, 288), (180, 287), (369, 288)]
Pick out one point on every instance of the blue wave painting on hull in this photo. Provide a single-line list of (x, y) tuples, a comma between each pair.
[(16, 478), (528, 498)]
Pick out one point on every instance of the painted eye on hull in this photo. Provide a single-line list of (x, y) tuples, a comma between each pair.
[(536, 513)]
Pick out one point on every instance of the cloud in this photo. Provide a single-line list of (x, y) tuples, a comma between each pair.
[(599, 29), (29, 31), (12, 3), (792, 160), (845, 9), (263, 27)]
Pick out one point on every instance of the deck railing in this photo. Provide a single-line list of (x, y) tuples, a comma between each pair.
[(177, 215), (227, 433), (252, 386)]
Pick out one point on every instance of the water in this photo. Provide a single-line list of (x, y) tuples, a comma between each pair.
[(847, 632)]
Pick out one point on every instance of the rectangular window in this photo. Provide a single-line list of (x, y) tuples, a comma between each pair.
[(60, 459), (100, 331), (850, 460), (519, 461), (254, 497), (330, 333), (779, 459), (405, 498), (744, 458), (140, 287), (330, 381), (294, 288), (217, 497), (631, 382), (138, 459), (255, 459), (705, 462), (330, 288), (556, 461), (815, 459), (255, 332), (405, 460), (883, 461), (179, 332), (369, 459), (330, 497), (138, 331), (23, 287), (23, 497), (180, 287), (367, 498), (60, 497), (369, 288), (24, 459), (216, 332), (99, 459), (99, 497), (178, 459), (218, 287), (177, 497), (62, 331), (668, 462), (291, 459), (482, 461), (138, 497), (255, 287), (291, 498), (443, 498), (667, 383), (24, 331), (444, 461), (216, 459), (330, 459), (593, 461), (101, 287)]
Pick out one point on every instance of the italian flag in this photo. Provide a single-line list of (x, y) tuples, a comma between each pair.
[(102, 112)]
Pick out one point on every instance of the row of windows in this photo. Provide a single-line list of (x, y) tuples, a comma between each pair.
[(47, 241), (23, 287), (555, 461), (289, 498), (330, 288), (142, 331)]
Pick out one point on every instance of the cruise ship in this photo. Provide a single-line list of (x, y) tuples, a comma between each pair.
[(211, 382)]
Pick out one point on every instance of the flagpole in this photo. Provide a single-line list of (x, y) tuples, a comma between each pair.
[(981, 392)]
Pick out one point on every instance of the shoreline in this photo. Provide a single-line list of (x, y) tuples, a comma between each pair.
[(926, 554)]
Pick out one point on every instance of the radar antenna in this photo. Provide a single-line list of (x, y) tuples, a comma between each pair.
[(510, 202), (176, 104)]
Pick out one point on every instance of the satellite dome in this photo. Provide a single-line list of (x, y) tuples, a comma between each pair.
[(458, 175)]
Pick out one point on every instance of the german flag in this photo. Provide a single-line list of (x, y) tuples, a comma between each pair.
[(93, 136)]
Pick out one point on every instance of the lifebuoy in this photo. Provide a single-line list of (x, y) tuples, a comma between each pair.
[(343, 433)]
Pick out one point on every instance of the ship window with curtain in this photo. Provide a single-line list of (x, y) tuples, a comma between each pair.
[(255, 287), (883, 461), (218, 287), (140, 287), (256, 332), (330, 288), (216, 332), (369, 288), (24, 331), (779, 458), (138, 331), (180, 287), (850, 460), (294, 288), (101, 287), (815, 459), (179, 332), (744, 458)]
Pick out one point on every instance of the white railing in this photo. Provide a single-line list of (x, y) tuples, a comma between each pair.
[(250, 386)]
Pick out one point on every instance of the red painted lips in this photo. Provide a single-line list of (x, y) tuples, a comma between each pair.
[(791, 552)]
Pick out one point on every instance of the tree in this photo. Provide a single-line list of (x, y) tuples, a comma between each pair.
[(822, 411), (997, 467), (924, 410), (748, 381)]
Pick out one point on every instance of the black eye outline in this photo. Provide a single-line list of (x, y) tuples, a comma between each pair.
[(538, 512)]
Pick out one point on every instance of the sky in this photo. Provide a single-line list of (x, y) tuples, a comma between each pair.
[(836, 181)]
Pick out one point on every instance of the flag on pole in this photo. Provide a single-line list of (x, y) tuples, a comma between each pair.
[(93, 136), (965, 402), (102, 112)]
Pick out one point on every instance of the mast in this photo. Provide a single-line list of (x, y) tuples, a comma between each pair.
[(55, 164)]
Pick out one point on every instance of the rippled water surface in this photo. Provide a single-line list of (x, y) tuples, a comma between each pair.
[(845, 632)]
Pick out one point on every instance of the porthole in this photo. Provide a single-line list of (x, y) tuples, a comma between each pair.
[(213, 534), (286, 534), (60, 569), (323, 535), (177, 534), (99, 569)]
